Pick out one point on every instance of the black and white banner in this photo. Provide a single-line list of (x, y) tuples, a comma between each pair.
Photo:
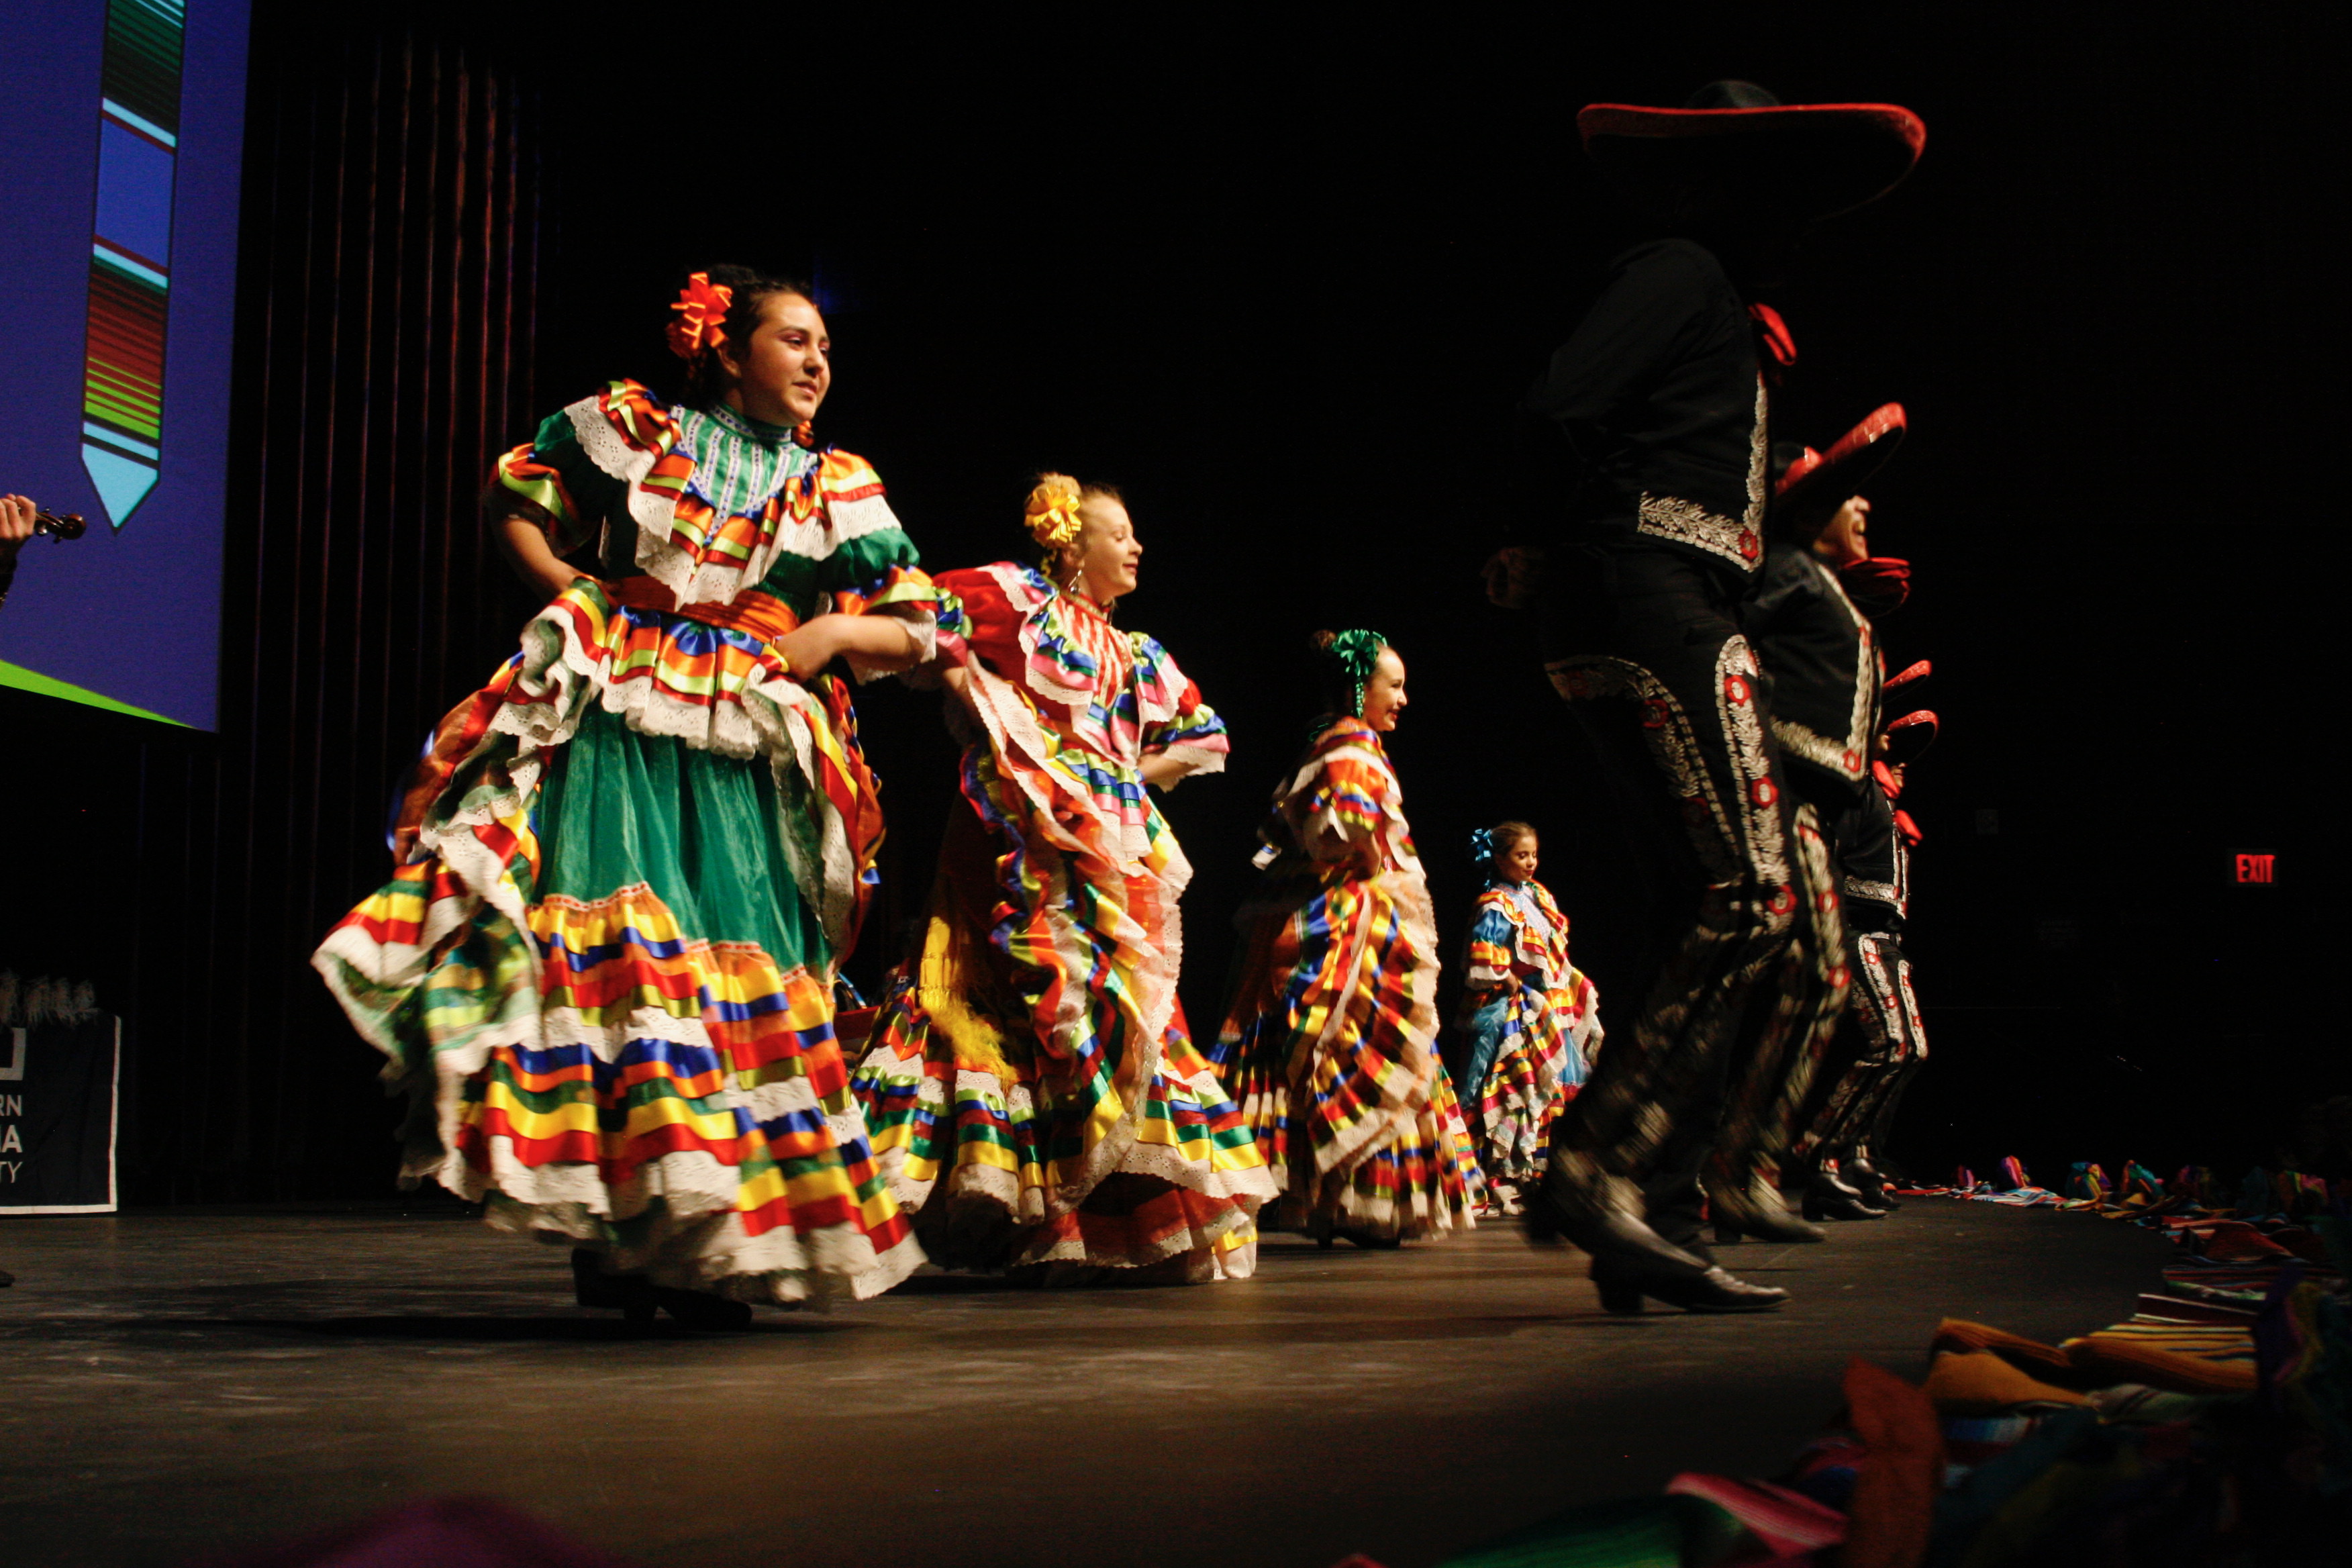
[(58, 1088)]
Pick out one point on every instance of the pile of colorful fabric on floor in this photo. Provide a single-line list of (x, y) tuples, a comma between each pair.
[(2213, 1429)]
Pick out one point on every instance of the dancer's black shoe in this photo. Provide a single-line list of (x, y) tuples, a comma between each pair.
[(700, 1309), (1755, 1209), (1606, 1229), (1826, 1197), (1624, 1285), (631, 1294), (1371, 1243), (1868, 1180), (7, 1279)]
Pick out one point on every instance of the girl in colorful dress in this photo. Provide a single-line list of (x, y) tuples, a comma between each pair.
[(1330, 1045), (1035, 1096), (1530, 1022), (604, 975)]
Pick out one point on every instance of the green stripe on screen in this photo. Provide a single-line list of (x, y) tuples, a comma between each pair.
[(24, 680)]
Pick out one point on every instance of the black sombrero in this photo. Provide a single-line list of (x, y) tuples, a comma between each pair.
[(1817, 483), (1807, 160)]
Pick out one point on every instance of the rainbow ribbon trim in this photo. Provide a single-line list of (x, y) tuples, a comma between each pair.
[(130, 251)]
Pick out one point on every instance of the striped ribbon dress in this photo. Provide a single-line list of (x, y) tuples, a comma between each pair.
[(1526, 1051), (603, 977), (1330, 1045), (1033, 1088)]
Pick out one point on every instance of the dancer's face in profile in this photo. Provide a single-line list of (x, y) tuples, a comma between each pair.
[(1518, 863), (786, 366), (1846, 539), (1384, 693), (1106, 555)]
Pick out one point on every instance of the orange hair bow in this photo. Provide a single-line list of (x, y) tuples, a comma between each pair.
[(702, 310)]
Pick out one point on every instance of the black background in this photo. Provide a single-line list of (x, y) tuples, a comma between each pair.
[(1282, 281)]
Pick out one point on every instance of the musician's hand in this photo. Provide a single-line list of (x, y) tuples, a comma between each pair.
[(16, 515)]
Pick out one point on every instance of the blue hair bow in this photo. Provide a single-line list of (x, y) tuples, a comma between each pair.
[(1482, 845)]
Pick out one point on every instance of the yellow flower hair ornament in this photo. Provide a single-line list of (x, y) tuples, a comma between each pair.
[(701, 307), (1052, 512)]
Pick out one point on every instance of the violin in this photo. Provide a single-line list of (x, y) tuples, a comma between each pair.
[(69, 526)]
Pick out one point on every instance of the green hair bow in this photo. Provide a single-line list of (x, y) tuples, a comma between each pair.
[(1358, 653)]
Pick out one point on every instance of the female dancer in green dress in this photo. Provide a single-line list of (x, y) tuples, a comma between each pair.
[(604, 975)]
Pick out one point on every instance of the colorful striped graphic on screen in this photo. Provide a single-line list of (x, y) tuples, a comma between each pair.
[(130, 251)]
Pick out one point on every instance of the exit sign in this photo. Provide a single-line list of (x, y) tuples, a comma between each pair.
[(2253, 867)]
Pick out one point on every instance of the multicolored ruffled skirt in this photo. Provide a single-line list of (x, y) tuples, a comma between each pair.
[(606, 986), (1525, 1064), (1328, 1050), (1035, 1096)]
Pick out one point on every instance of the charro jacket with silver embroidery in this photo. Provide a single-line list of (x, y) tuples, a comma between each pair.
[(1660, 395), (1874, 866), (1819, 650)]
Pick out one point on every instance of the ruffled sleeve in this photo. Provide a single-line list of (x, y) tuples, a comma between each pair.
[(872, 565), (1176, 723), (985, 610), (1066, 661), (1493, 941), (1555, 938), (568, 493), (1341, 817)]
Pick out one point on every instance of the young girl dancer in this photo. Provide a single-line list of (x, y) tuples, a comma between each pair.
[(605, 976), (1034, 1093), (1330, 1045), (1530, 1020)]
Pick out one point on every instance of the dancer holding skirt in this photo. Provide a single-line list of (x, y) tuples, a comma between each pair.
[(1036, 1096), (1330, 1045), (1530, 1020), (604, 975)]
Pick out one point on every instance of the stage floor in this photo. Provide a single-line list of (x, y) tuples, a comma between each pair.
[(179, 1383)]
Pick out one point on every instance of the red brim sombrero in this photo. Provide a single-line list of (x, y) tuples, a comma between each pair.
[(1809, 161), (1818, 483), (1909, 736)]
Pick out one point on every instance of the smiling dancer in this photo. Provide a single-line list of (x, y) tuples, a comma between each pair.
[(1330, 1044), (1034, 1093), (605, 976), (1530, 1021), (1660, 404)]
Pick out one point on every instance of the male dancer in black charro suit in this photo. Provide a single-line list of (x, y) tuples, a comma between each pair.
[(1815, 633), (1663, 401)]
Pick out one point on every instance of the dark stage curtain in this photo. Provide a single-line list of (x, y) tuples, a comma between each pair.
[(392, 240)]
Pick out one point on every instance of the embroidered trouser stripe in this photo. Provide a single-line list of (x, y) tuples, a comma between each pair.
[(1768, 1111), (1890, 1043), (1720, 1050)]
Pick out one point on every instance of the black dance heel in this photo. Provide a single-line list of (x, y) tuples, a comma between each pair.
[(700, 1309), (1605, 1230), (1624, 1300), (1758, 1210), (1826, 1197), (1370, 1242), (1622, 1289), (1869, 1181), (631, 1294)]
